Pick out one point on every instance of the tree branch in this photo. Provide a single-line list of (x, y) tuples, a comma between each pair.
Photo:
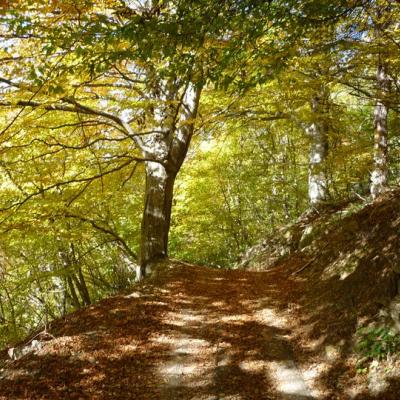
[(106, 230), (69, 182)]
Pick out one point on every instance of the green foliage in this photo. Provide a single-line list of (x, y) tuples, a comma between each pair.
[(242, 182), (375, 343)]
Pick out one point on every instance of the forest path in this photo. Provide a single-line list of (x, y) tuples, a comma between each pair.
[(193, 333), (227, 341)]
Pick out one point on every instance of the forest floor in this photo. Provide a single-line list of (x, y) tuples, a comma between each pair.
[(206, 334), (195, 333)]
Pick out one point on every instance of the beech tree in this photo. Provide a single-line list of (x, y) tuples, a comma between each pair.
[(134, 70), (317, 130), (379, 175), (372, 49)]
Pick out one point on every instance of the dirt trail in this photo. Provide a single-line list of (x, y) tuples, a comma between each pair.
[(195, 333)]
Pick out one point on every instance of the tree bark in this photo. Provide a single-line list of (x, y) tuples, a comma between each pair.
[(317, 131), (82, 287), (379, 175), (80, 279), (168, 149), (74, 297), (156, 219)]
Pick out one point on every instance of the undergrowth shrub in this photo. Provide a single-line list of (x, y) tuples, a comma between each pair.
[(375, 343)]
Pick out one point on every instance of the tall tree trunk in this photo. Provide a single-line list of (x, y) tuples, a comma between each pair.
[(379, 175), (317, 131), (156, 215), (74, 297), (82, 287), (168, 148), (2, 313), (80, 279)]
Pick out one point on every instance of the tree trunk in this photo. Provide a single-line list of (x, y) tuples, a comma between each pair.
[(317, 131), (82, 287), (379, 175), (80, 279), (168, 148), (2, 312), (73, 295), (156, 216)]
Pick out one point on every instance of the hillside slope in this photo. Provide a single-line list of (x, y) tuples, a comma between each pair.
[(198, 333), (345, 263)]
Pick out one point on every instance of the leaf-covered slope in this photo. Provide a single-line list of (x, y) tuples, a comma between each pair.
[(344, 262)]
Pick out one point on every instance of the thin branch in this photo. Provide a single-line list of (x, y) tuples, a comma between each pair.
[(66, 183), (106, 230)]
